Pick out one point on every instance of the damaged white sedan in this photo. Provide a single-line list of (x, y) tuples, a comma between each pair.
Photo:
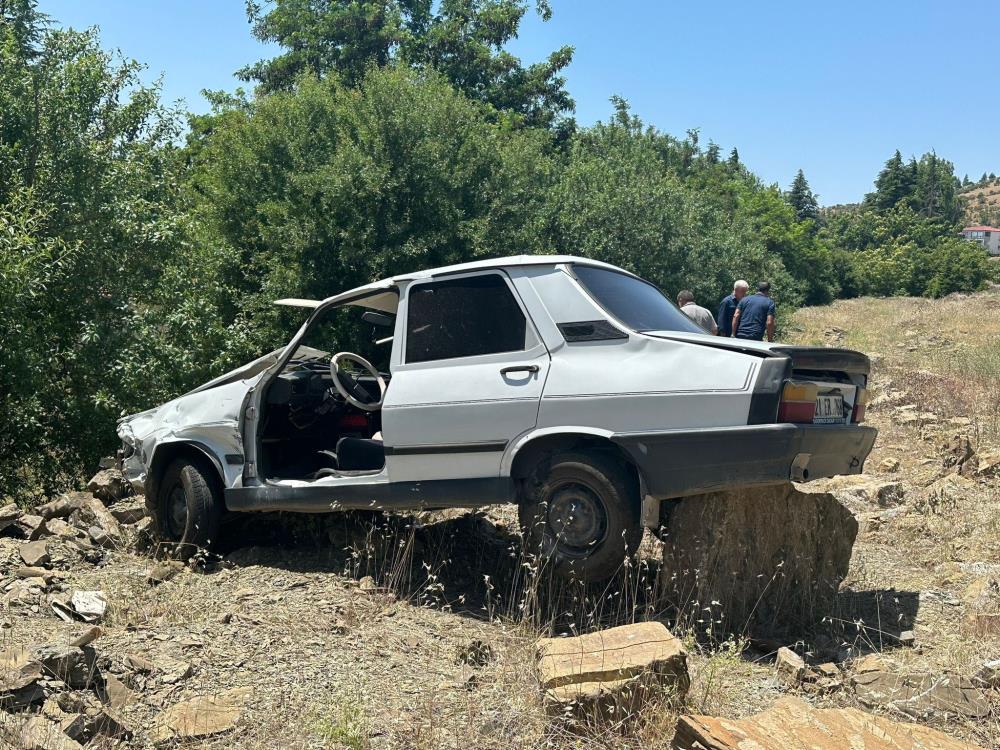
[(568, 386)]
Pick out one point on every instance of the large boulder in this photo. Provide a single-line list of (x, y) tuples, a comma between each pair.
[(765, 562), (792, 723)]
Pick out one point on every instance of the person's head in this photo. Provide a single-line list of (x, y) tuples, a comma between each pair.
[(740, 289), (764, 288), (684, 297)]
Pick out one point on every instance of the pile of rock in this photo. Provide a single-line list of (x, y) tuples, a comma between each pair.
[(56, 697)]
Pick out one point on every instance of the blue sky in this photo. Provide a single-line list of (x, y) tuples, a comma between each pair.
[(832, 88)]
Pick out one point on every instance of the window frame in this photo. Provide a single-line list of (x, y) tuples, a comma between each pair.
[(533, 346)]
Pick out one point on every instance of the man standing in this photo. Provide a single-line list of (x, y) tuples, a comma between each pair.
[(728, 307), (697, 313), (755, 315)]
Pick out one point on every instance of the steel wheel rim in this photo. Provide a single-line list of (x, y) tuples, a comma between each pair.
[(577, 518)]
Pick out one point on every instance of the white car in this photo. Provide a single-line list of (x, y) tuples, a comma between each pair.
[(568, 386)]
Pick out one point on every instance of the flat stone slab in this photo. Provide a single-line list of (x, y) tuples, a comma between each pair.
[(922, 694), (792, 723), (608, 655)]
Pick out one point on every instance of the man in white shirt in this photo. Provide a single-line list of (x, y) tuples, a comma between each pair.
[(697, 313)]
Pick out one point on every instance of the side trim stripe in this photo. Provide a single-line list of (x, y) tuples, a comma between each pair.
[(438, 448)]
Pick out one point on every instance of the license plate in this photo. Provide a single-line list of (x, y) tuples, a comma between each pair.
[(829, 409)]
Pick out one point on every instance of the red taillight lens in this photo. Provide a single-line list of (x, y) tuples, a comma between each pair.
[(798, 402), (860, 400)]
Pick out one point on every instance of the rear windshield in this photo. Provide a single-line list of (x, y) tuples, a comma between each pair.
[(636, 303)]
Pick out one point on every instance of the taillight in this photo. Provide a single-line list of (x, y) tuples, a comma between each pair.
[(798, 402), (860, 400)]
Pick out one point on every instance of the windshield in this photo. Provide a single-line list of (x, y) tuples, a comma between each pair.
[(636, 303)]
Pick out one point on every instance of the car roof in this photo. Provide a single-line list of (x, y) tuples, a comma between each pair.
[(511, 261)]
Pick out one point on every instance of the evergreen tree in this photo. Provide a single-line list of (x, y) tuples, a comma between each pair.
[(894, 183), (734, 158), (802, 199), (713, 154)]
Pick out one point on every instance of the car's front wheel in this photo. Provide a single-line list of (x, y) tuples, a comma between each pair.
[(580, 514), (190, 506)]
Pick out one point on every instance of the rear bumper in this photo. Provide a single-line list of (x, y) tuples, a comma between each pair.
[(680, 463)]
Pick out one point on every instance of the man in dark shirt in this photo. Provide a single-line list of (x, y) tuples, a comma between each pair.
[(755, 315), (728, 308)]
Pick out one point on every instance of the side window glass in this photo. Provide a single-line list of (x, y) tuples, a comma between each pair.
[(463, 318)]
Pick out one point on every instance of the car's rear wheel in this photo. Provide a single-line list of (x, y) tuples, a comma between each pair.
[(190, 506), (580, 514)]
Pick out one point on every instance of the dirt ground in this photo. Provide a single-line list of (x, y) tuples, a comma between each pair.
[(361, 631)]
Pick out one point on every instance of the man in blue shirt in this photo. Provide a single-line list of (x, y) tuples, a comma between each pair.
[(728, 308), (755, 315)]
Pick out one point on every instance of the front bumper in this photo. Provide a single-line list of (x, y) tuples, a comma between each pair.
[(690, 462)]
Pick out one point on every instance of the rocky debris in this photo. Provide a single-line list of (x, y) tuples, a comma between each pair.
[(39, 733), (31, 526), (790, 665), (869, 663), (921, 695), (863, 491), (128, 512), (889, 465), (943, 494), (116, 693), (989, 675), (959, 456), (368, 585), (793, 723), (610, 672), (201, 717), (989, 466), (61, 507), (9, 514), (88, 606), (769, 560), (34, 554), (167, 669), (908, 415), (163, 571), (71, 664), (109, 486)]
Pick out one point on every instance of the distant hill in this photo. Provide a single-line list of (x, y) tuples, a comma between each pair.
[(982, 202)]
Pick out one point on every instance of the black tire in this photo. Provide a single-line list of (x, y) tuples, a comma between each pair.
[(190, 506), (580, 513)]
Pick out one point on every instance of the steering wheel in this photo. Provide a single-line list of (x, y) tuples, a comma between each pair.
[(345, 380)]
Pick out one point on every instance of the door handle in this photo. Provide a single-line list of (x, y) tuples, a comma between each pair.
[(519, 368)]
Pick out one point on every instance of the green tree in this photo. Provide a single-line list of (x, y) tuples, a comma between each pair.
[(462, 39), (88, 216), (802, 199), (894, 183)]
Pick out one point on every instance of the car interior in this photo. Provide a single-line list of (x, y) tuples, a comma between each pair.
[(321, 415)]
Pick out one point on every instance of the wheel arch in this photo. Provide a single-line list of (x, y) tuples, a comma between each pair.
[(527, 452), (166, 453)]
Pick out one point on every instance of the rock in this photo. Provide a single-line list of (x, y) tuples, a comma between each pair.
[(9, 514), (89, 605), (111, 724), (907, 638), (34, 554), (73, 725), (18, 672), (61, 507), (367, 584), (889, 465), (989, 675), (163, 571), (87, 637), (793, 723), (130, 511), (476, 654), (960, 457), (869, 663), (39, 733), (140, 664), (59, 527), (73, 665), (94, 512), (769, 559), (32, 526), (100, 537), (109, 486), (921, 695), (116, 693), (983, 624), (611, 671), (26, 572), (201, 717), (989, 467), (789, 664), (944, 493), (865, 491)]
